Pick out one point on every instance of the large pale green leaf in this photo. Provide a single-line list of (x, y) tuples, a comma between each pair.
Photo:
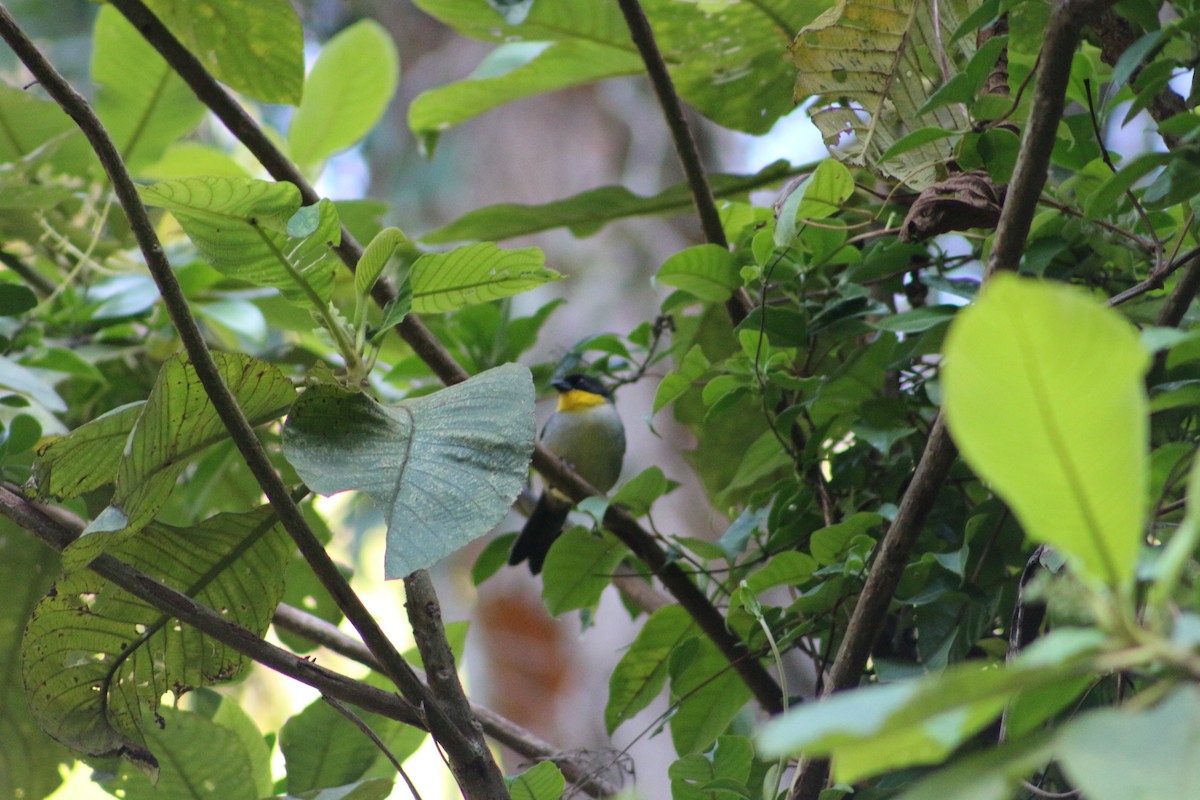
[(1043, 393), (142, 101), (1121, 754), (871, 66), (992, 774), (641, 673), (746, 87), (443, 468), (256, 48), (177, 422), (547, 68), (346, 93), (241, 226), (872, 730), (87, 457), (200, 760), (587, 212), (97, 660), (475, 273), (29, 759)]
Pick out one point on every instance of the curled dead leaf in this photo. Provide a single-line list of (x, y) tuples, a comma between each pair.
[(962, 201)]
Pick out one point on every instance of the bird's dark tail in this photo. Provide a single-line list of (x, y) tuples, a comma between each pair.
[(540, 531)]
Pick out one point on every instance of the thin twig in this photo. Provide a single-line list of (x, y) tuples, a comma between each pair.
[(738, 306), (40, 284), (362, 725), (433, 353), (471, 765)]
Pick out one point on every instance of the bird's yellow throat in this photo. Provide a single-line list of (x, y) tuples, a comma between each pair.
[(578, 400)]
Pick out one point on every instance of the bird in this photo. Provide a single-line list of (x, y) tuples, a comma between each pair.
[(586, 432)]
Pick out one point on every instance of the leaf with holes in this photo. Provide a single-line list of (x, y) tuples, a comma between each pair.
[(177, 422), (871, 66), (96, 659), (443, 468)]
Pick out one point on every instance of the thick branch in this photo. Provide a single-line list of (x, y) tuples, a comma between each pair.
[(642, 34), (425, 345), (465, 755), (1029, 175), (44, 523), (500, 728), (1062, 37)]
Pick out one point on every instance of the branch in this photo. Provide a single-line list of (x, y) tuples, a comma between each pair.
[(49, 526), (1029, 175), (1062, 37), (500, 728), (438, 359), (58, 528), (435, 355), (740, 305), (475, 769)]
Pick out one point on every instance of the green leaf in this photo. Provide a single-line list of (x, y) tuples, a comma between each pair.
[(828, 545), (871, 730), (587, 212), (1098, 750), (681, 380), (16, 299), (1102, 201), (745, 87), (992, 774), (96, 660), (869, 67), (709, 695), (443, 468), (346, 93), (708, 271), (29, 384), (375, 258), (372, 789), (142, 101), (543, 781), (558, 66), (475, 273), (177, 422), (28, 122), (1043, 394), (915, 139), (818, 196), (201, 760), (256, 48), (579, 567), (87, 457), (724, 773), (639, 492), (240, 226), (641, 673), (29, 759)]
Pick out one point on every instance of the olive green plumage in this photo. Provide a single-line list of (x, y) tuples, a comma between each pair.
[(586, 432)]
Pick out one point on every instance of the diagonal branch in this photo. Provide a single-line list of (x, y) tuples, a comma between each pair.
[(49, 526), (472, 764), (435, 355), (1062, 37), (740, 305)]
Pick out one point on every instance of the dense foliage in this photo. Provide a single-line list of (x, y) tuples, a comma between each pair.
[(1017, 619)]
